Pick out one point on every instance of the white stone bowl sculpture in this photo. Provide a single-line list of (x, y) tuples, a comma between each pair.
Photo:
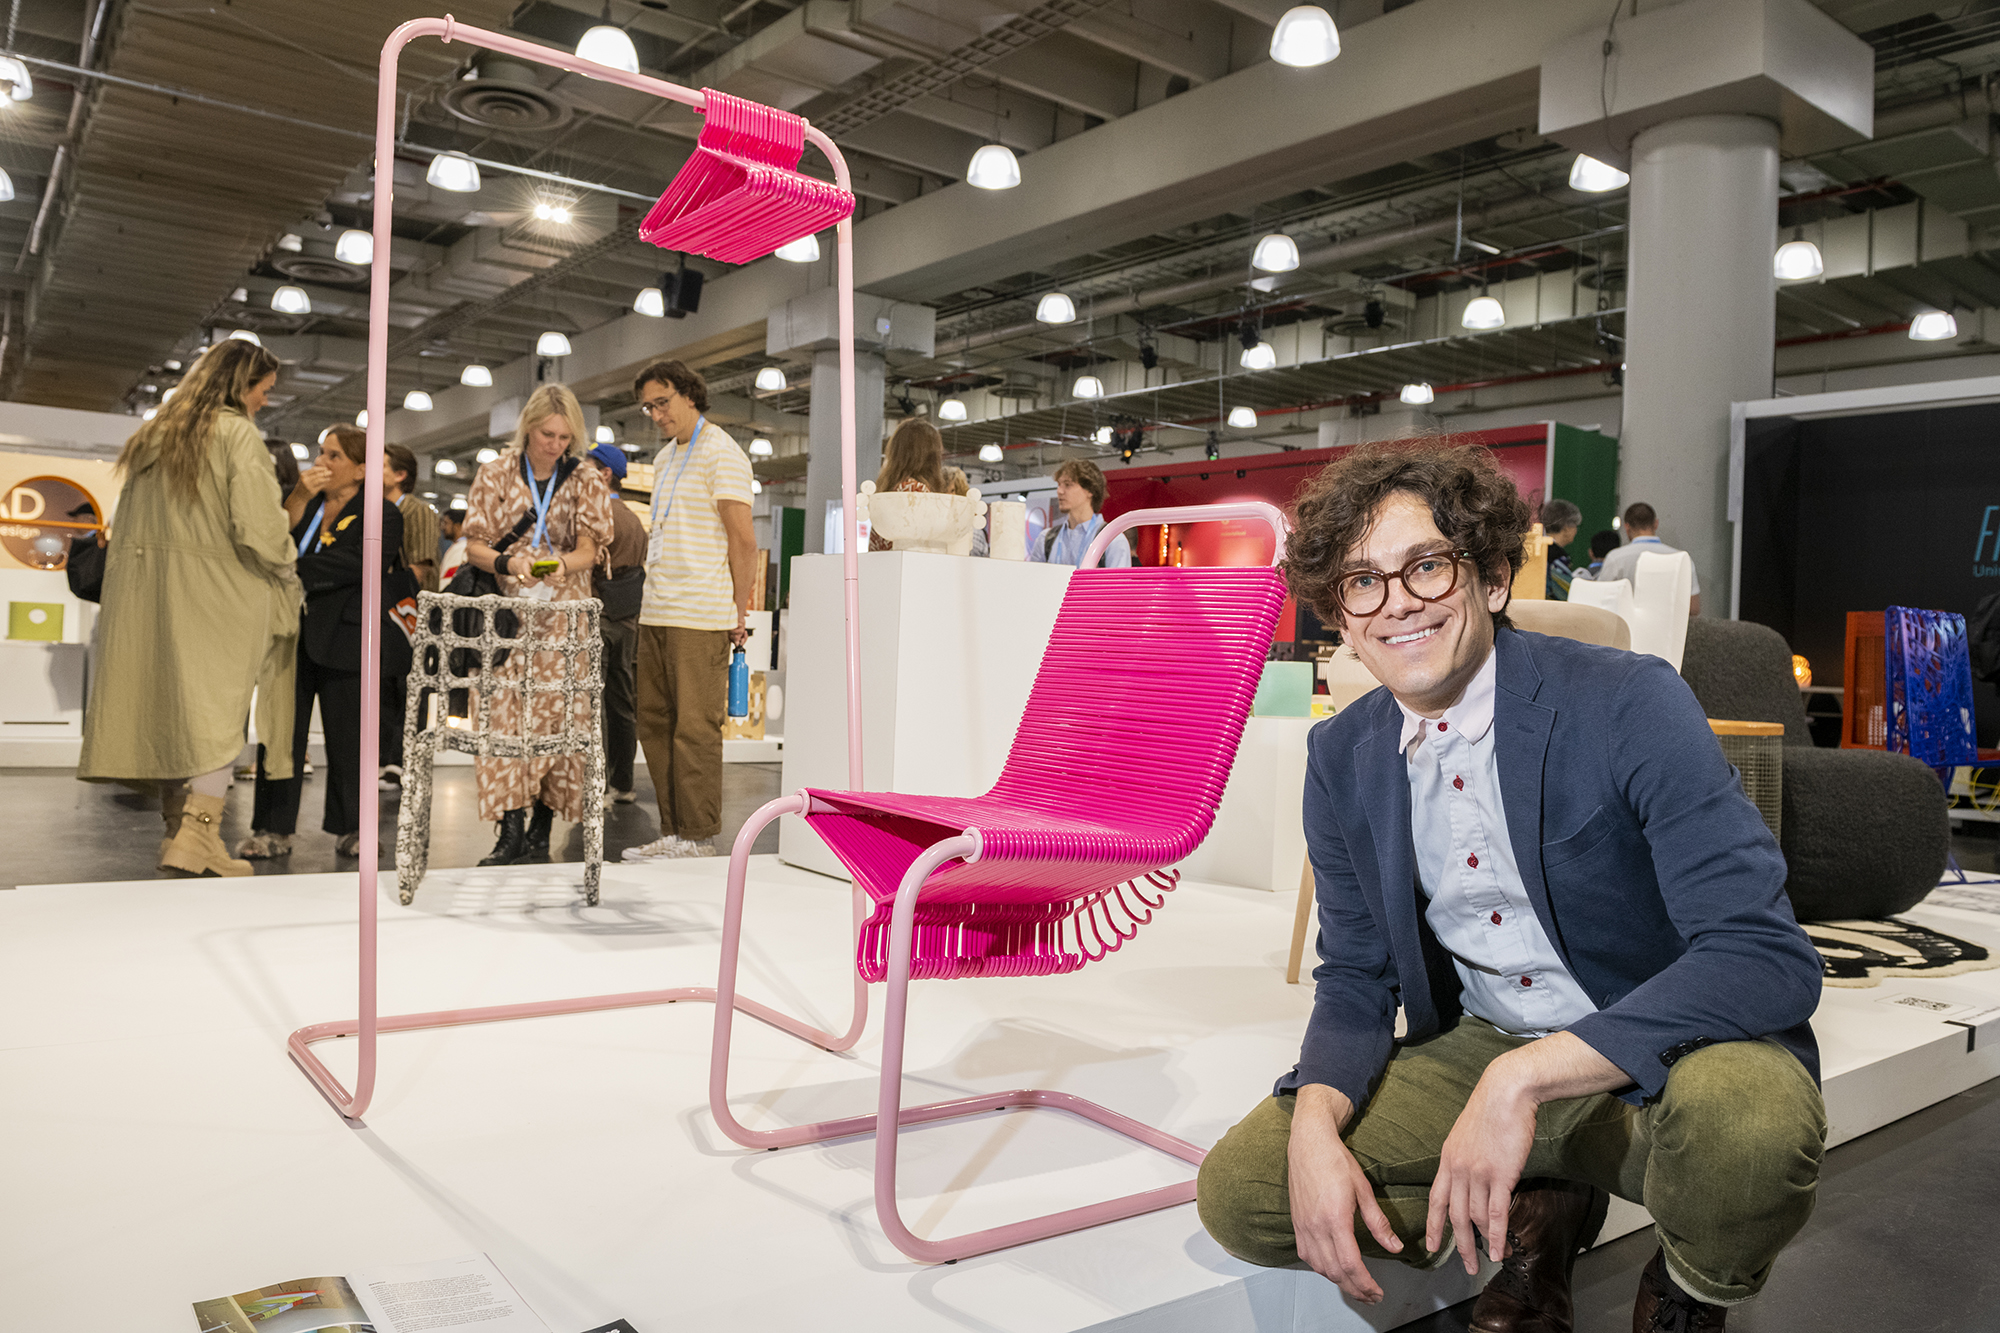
[(921, 521)]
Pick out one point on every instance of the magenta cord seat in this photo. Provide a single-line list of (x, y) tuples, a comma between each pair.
[(1115, 774)]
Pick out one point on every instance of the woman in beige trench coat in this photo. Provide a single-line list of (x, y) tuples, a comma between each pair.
[(200, 605)]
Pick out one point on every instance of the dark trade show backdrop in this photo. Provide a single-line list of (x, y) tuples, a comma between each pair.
[(1858, 513)]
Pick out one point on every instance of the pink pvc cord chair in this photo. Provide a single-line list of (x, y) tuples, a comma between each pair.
[(1114, 775)]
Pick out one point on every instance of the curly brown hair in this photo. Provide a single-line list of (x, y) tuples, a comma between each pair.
[(1474, 504)]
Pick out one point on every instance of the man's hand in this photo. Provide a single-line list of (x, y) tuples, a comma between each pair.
[(1481, 1162), (1327, 1186), (740, 636), (1488, 1147)]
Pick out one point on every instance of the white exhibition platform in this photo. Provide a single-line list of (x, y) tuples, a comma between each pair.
[(163, 1148)]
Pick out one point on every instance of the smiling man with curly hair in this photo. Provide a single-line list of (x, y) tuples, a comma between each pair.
[(1535, 850)]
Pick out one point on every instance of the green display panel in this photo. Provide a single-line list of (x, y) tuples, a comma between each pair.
[(1584, 470), (788, 530)]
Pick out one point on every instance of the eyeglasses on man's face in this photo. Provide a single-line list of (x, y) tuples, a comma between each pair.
[(1429, 578), (653, 407)]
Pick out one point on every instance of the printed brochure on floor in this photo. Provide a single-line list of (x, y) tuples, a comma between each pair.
[(410, 1298)]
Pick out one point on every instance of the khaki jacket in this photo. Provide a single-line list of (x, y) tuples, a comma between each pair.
[(200, 607)]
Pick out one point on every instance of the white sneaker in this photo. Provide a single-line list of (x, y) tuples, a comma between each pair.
[(660, 849), (706, 847)]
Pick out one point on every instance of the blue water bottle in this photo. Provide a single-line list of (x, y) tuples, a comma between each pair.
[(739, 686)]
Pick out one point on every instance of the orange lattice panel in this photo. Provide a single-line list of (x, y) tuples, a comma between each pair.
[(1864, 722)]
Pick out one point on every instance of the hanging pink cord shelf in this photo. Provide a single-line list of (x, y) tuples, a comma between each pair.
[(740, 195)]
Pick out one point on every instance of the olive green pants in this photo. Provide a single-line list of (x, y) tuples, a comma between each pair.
[(1726, 1158)]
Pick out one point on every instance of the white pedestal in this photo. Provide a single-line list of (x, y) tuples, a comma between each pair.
[(1258, 840), (949, 649)]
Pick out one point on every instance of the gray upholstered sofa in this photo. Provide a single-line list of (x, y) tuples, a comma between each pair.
[(1865, 833)]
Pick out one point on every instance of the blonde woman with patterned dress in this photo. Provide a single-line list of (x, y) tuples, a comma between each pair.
[(570, 522)]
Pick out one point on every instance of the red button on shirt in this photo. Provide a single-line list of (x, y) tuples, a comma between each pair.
[(1472, 861), (1526, 982), (1496, 918), (1443, 727), (1459, 783)]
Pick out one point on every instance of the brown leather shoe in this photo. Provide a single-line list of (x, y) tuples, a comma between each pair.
[(1663, 1307), (1548, 1222)]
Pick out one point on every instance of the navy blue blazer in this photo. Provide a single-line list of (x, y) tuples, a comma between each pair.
[(1652, 873)]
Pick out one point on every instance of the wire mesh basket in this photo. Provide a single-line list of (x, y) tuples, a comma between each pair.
[(1757, 749)]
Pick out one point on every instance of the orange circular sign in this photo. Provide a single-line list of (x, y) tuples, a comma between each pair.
[(39, 516)]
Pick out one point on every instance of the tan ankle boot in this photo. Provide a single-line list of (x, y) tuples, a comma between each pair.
[(198, 848), (173, 801)]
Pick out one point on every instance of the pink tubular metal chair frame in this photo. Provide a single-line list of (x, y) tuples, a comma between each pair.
[(369, 1024), (949, 854)]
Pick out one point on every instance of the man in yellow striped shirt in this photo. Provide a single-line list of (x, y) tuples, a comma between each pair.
[(701, 564)]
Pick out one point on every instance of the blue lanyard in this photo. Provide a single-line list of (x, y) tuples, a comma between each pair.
[(541, 499), (306, 540), (687, 452)]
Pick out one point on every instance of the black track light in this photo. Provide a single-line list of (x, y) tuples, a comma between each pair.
[(1149, 354), (1372, 314), (1213, 449), (1249, 334)]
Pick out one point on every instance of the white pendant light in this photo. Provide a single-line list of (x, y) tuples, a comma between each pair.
[(552, 344), (804, 250), (608, 45), (1261, 357), (150, 413), (1242, 418), (1934, 326), (993, 167), (1483, 313), (1593, 177), (416, 400), (756, 486), (1417, 394), (361, 418), (1056, 308), (300, 452), (1796, 259), (487, 455), (557, 213), (606, 435), (240, 294), (1087, 386), (455, 172), (1305, 37), (290, 300), (479, 377), (1276, 253), (1103, 435), (650, 302), (246, 336), (14, 72), (951, 409), (444, 467), (358, 247), (291, 243), (770, 379), (991, 453), (760, 448), (6, 187)]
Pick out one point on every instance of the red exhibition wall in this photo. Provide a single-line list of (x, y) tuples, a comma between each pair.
[(1522, 452)]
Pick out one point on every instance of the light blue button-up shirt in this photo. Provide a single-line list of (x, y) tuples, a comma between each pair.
[(1071, 542), (1508, 969)]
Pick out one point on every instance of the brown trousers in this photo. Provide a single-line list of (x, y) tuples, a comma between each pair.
[(683, 695)]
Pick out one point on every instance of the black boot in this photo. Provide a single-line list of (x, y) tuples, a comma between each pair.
[(535, 848), (511, 839)]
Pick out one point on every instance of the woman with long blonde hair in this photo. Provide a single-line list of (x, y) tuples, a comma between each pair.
[(200, 605), (570, 525)]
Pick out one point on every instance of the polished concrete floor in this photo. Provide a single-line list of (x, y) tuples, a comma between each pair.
[(1900, 1238), (98, 831)]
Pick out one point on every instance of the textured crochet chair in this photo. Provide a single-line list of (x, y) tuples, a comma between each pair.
[(512, 633), (1114, 775), (1865, 833)]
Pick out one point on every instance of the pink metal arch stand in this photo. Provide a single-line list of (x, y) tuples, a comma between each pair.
[(370, 1024)]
